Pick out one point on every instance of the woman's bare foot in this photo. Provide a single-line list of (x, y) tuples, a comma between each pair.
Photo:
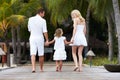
[(75, 69)]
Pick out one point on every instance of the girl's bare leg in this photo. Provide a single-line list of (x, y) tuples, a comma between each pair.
[(80, 49), (57, 65), (60, 68)]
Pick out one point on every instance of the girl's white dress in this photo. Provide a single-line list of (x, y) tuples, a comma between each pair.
[(59, 47), (79, 38)]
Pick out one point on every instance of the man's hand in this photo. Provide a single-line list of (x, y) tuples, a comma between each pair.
[(46, 43)]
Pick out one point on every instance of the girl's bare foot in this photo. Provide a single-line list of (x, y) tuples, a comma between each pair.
[(57, 68)]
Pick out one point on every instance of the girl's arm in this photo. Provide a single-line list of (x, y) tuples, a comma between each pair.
[(66, 42), (50, 42)]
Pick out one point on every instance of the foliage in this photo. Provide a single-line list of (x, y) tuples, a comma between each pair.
[(61, 9), (100, 61), (100, 9)]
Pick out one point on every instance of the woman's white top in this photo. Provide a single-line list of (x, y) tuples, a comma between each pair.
[(79, 38)]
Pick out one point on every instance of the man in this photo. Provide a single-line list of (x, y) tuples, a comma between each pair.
[(38, 30)]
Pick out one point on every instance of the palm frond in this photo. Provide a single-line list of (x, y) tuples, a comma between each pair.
[(16, 20)]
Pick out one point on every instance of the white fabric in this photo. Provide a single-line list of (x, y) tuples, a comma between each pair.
[(59, 54), (59, 43), (2, 52), (79, 38), (36, 27), (36, 45), (59, 47)]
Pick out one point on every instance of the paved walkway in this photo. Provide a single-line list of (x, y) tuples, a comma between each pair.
[(89, 73)]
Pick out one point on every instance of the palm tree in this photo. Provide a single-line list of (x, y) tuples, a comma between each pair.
[(59, 13), (102, 11), (117, 23), (4, 24), (16, 21), (7, 19)]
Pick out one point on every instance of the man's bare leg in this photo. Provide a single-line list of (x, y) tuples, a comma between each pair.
[(41, 61), (33, 58)]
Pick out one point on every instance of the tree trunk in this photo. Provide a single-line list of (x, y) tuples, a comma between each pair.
[(87, 31), (24, 50), (14, 44), (18, 45), (87, 24), (8, 48), (110, 39), (8, 53), (117, 22)]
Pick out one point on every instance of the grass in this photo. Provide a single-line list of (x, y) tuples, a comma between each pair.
[(100, 61)]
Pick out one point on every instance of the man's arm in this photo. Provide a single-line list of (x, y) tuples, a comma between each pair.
[(46, 36)]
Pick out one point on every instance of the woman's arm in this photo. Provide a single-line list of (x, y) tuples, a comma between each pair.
[(74, 28), (84, 28)]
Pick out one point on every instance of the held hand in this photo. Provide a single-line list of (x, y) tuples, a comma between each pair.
[(46, 43), (71, 40)]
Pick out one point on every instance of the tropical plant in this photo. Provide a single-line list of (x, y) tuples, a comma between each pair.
[(8, 18), (117, 23), (101, 10)]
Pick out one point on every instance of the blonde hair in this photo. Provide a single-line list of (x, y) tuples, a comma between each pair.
[(77, 14), (58, 32)]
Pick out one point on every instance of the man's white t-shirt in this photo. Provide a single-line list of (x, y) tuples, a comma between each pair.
[(36, 27)]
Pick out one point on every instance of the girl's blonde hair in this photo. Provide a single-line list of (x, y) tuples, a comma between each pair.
[(58, 32), (77, 14)]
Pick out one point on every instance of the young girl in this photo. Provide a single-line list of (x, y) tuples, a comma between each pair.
[(59, 47)]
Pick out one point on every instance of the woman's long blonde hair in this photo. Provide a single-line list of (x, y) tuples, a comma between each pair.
[(58, 32), (77, 14)]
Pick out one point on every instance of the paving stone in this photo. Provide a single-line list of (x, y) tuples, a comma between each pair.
[(89, 73)]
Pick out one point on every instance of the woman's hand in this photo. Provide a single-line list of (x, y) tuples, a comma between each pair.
[(72, 40)]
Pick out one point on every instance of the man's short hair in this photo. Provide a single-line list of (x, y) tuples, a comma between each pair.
[(41, 10)]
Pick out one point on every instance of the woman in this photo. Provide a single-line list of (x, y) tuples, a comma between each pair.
[(78, 38)]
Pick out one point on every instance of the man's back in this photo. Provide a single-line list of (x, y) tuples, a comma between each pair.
[(37, 26)]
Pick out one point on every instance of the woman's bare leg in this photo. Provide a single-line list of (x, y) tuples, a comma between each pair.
[(74, 55), (80, 49)]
